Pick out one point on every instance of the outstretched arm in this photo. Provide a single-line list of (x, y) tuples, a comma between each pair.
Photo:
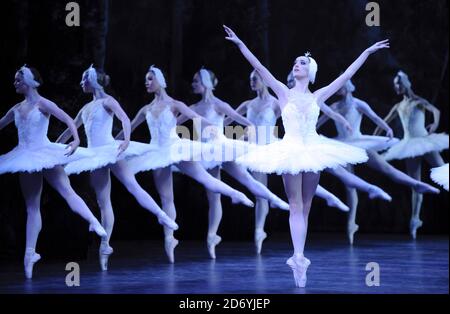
[(182, 118), (112, 105), (326, 92), (240, 110), (138, 119), (335, 116), (279, 88), (7, 118), (390, 116), (365, 109), (51, 108), (230, 112), (324, 118), (189, 113)]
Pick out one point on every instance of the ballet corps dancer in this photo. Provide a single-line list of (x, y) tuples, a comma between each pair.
[(35, 158)]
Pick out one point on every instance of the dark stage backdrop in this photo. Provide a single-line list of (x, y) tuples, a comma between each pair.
[(180, 36)]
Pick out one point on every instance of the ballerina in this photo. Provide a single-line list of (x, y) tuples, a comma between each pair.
[(300, 110), (263, 111), (353, 110), (349, 179), (35, 158), (167, 148), (224, 151), (109, 156), (440, 175), (418, 142)]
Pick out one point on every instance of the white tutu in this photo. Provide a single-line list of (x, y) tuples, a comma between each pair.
[(370, 142), (292, 156), (301, 149), (410, 147), (160, 156), (35, 152), (105, 155), (440, 175), (26, 159), (222, 149)]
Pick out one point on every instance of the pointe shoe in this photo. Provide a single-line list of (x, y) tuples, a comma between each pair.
[(31, 257), (239, 197), (376, 192), (335, 202), (299, 265), (166, 221), (260, 236), (104, 253), (422, 187), (98, 229), (351, 230), (278, 203), (212, 241), (414, 224), (169, 245)]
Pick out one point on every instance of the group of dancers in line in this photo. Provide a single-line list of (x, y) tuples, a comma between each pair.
[(298, 157)]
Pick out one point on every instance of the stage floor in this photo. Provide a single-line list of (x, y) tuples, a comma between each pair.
[(406, 266)]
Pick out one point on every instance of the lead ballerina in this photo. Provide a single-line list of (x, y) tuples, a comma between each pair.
[(300, 111)]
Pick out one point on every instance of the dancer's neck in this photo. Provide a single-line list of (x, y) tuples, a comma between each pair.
[(161, 95), (263, 93), (99, 94), (301, 85), (408, 94), (32, 95), (207, 95)]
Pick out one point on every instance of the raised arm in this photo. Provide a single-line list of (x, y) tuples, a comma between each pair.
[(7, 118), (51, 108), (112, 105), (240, 110), (324, 118), (326, 92), (365, 109), (390, 116), (279, 88), (138, 120), (335, 116)]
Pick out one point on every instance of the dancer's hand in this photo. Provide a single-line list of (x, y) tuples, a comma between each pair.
[(232, 36), (73, 146), (432, 128), (122, 147), (348, 127), (390, 133), (377, 46)]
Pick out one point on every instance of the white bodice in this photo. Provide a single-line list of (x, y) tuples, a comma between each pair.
[(300, 116), (163, 127), (32, 129), (353, 116), (412, 117), (98, 123), (265, 120), (208, 112)]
